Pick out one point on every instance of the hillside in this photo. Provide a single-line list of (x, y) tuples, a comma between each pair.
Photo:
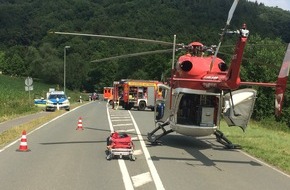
[(34, 52), (28, 49)]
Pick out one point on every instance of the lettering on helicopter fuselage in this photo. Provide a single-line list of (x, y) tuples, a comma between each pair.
[(209, 84)]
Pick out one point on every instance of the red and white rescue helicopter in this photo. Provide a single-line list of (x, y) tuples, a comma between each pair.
[(203, 88)]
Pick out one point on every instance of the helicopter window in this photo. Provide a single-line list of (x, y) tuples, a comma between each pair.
[(191, 107), (164, 94), (161, 93)]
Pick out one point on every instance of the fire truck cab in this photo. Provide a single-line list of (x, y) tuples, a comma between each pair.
[(108, 94)]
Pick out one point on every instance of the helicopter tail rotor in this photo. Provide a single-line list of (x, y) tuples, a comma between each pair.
[(282, 82)]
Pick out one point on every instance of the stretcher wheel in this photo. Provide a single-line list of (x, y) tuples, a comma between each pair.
[(132, 157), (109, 157)]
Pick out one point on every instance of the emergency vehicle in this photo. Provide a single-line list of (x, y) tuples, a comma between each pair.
[(57, 100), (108, 94), (140, 94)]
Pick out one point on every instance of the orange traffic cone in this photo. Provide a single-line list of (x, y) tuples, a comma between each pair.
[(80, 124), (23, 143)]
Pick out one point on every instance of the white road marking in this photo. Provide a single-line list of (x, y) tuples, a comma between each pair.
[(125, 174), (126, 130), (153, 171), (264, 163), (39, 128), (122, 124), (138, 152), (141, 179), (121, 119), (126, 177), (134, 138)]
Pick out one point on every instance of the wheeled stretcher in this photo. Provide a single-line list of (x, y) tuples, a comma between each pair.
[(120, 144)]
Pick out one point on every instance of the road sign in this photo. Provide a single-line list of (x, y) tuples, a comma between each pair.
[(28, 88), (28, 81)]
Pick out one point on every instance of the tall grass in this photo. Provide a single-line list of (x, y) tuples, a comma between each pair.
[(15, 101)]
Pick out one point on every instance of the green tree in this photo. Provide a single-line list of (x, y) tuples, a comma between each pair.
[(76, 71), (14, 63)]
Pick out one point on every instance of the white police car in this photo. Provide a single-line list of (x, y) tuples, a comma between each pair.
[(57, 100)]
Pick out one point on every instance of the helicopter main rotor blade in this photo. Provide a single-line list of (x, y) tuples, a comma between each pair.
[(231, 12), (113, 37), (132, 55), (230, 16)]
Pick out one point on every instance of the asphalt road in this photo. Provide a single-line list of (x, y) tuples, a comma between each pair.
[(62, 157)]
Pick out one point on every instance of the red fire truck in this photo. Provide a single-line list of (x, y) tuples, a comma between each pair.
[(138, 94)]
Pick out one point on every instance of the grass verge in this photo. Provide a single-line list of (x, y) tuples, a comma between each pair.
[(271, 144), (15, 132)]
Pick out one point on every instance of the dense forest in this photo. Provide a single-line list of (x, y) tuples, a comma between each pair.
[(29, 48)]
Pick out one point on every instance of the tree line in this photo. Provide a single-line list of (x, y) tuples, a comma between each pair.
[(28, 48)]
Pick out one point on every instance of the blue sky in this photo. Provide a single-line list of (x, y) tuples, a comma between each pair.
[(284, 4)]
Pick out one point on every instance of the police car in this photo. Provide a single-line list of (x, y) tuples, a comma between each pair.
[(57, 100)]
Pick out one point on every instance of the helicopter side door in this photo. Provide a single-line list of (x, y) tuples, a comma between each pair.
[(238, 107)]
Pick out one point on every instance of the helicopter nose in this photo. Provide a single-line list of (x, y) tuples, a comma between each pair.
[(186, 66)]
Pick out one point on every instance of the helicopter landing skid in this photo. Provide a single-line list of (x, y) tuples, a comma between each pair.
[(220, 137), (154, 139)]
